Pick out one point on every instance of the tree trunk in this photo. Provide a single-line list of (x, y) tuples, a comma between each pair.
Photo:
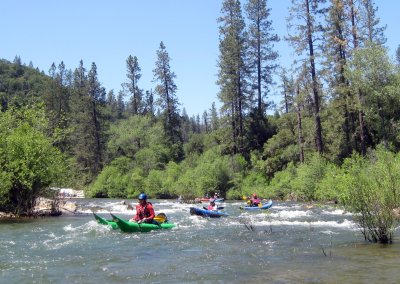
[(318, 127), (300, 131)]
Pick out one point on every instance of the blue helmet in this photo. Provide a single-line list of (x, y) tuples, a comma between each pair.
[(143, 196)]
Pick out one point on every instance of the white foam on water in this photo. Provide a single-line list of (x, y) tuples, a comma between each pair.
[(290, 214), (57, 242), (166, 211), (329, 232), (346, 224), (69, 228), (165, 202), (6, 244), (287, 207), (337, 212)]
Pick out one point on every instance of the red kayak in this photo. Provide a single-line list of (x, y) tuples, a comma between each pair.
[(206, 199)]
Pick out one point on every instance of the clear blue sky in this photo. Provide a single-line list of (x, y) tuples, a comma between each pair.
[(107, 32)]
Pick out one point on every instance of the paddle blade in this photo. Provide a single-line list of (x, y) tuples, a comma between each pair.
[(260, 204), (244, 197), (160, 218)]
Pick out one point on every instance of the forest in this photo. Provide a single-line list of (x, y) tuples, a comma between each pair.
[(334, 136)]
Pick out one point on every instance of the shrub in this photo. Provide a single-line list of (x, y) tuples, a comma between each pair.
[(28, 161), (371, 188)]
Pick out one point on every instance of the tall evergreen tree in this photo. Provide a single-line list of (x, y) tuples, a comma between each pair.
[(185, 126), (262, 57), (120, 105), (112, 106), (148, 105), (355, 41), (79, 116), (288, 91), (233, 73), (133, 74), (97, 100), (18, 67), (88, 101), (206, 122), (337, 34), (57, 102), (364, 30), (370, 23), (168, 101), (305, 17), (214, 117)]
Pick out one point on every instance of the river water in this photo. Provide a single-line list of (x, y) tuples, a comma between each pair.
[(290, 243)]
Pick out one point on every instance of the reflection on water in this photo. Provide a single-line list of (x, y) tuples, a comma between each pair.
[(287, 244)]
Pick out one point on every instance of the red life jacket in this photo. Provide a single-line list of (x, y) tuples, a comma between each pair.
[(210, 207), (255, 201), (147, 211)]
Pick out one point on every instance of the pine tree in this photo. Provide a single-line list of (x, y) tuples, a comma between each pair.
[(168, 101), (79, 117), (305, 16), (205, 122), (338, 35), (97, 100), (288, 92), (185, 126), (120, 105), (371, 31), (57, 102), (88, 100), (112, 106), (233, 73), (214, 117), (149, 104), (134, 75), (262, 56)]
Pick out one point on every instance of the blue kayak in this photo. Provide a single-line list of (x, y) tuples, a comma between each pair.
[(207, 213), (264, 206)]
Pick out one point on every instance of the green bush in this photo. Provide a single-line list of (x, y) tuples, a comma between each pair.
[(308, 176), (371, 188), (28, 161), (327, 189), (280, 186), (114, 181)]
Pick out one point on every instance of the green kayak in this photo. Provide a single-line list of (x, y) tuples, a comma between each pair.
[(103, 221), (130, 227)]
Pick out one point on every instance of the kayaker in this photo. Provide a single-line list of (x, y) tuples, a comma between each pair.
[(212, 205), (254, 200), (144, 211)]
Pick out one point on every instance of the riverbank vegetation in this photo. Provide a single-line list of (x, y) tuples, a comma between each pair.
[(333, 137)]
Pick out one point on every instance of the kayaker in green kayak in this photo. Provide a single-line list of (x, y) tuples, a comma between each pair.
[(144, 211)]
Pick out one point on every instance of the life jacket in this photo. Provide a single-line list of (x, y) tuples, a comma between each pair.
[(210, 207), (255, 201), (144, 212)]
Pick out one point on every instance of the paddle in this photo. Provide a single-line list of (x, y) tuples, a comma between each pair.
[(160, 218), (218, 208)]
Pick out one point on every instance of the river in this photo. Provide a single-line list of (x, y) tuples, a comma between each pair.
[(290, 243)]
